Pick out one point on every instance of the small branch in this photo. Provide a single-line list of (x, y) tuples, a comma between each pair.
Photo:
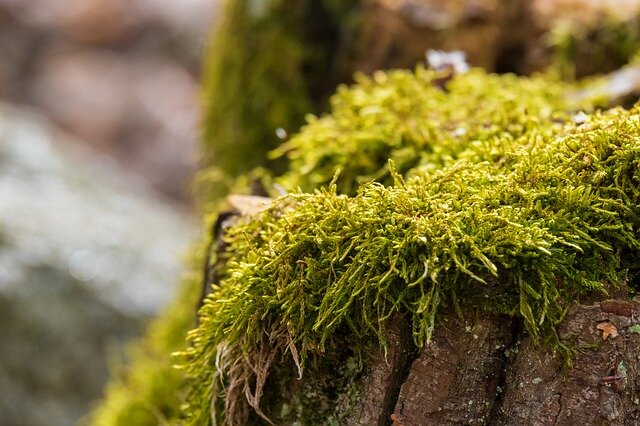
[(617, 85)]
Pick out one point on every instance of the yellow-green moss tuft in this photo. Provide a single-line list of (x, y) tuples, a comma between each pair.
[(406, 117), (525, 211)]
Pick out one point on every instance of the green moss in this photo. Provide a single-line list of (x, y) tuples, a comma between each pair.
[(272, 61), (405, 117), (521, 214), (491, 197), (603, 45), (147, 391), (269, 63)]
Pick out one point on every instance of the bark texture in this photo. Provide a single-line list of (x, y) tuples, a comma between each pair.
[(479, 370), (386, 376), (456, 376), (601, 386)]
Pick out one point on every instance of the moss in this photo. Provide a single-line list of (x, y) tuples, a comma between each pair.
[(406, 117), (603, 44), (455, 148), (272, 61), (269, 63), (147, 390), (521, 214)]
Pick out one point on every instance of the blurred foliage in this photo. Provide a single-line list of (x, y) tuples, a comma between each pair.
[(601, 46), (270, 62), (146, 391)]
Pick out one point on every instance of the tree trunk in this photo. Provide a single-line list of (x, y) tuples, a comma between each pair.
[(481, 369)]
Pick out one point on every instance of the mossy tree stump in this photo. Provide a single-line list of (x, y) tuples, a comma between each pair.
[(471, 259), (470, 263), (448, 285)]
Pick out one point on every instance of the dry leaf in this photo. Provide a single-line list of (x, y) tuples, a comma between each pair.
[(396, 420), (249, 205), (608, 329)]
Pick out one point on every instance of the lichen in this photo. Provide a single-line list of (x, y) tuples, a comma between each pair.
[(521, 214), (327, 394)]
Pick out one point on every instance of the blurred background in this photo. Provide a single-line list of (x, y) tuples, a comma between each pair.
[(119, 75), (98, 125), (103, 125)]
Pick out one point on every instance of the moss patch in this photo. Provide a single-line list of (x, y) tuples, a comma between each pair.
[(404, 116), (456, 226), (270, 63), (524, 212)]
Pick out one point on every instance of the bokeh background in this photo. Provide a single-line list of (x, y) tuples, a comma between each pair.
[(98, 126)]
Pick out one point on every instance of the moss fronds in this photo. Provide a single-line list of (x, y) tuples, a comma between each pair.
[(498, 198), (405, 117), (521, 219)]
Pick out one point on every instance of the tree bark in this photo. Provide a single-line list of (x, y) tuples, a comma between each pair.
[(481, 369)]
